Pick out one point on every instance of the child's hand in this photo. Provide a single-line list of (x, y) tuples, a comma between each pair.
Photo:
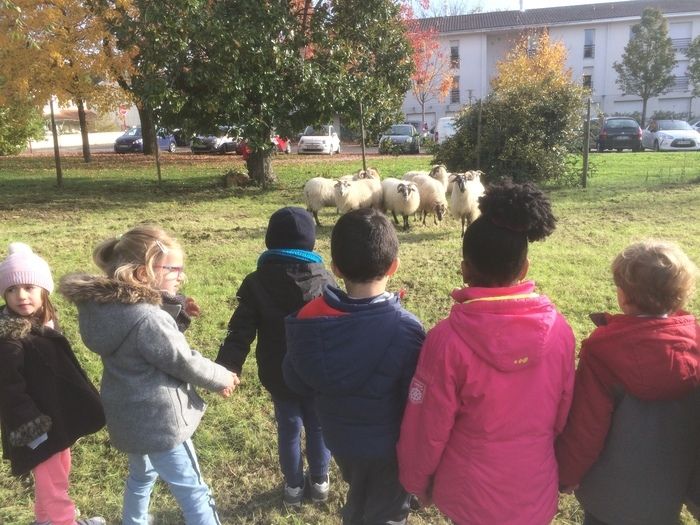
[(192, 308), (227, 391)]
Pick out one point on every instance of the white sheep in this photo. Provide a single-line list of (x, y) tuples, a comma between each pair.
[(464, 202), (437, 172), (354, 194), (402, 197), (369, 173), (319, 193), (432, 197)]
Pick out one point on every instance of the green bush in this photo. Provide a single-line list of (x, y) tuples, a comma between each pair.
[(19, 122)]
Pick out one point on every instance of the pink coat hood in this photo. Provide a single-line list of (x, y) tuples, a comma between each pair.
[(491, 392)]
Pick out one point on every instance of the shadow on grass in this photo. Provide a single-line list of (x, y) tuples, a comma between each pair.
[(260, 504)]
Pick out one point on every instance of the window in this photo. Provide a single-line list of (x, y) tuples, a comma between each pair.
[(680, 34), (587, 81), (588, 43), (533, 40), (454, 93), (454, 54)]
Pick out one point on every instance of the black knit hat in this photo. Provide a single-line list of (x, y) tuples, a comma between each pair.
[(291, 228)]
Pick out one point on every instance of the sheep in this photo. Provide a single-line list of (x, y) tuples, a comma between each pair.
[(437, 172), (369, 173), (451, 178), (354, 194), (400, 196), (432, 197), (464, 202), (319, 193)]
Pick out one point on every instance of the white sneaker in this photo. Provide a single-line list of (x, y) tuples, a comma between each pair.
[(292, 496), (319, 491)]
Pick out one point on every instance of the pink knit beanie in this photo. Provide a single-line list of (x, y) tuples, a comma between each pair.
[(23, 266)]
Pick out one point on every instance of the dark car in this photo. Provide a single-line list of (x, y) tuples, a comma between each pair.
[(132, 141), (619, 133), (400, 138), (223, 140)]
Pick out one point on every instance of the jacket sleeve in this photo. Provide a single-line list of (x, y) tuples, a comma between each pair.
[(165, 347), (417, 338), (431, 409), (583, 439), (20, 415), (242, 329), (568, 391)]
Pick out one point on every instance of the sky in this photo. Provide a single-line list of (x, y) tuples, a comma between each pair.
[(508, 5)]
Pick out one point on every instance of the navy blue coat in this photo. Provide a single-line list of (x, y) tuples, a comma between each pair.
[(359, 366)]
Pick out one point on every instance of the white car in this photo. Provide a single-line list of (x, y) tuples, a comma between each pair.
[(670, 135), (445, 129), (319, 139)]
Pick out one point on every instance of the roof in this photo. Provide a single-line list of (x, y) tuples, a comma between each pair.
[(555, 15)]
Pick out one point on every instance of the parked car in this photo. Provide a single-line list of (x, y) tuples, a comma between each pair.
[(132, 141), (445, 129), (619, 133), (282, 145), (670, 135), (319, 139), (695, 124), (224, 140), (400, 138)]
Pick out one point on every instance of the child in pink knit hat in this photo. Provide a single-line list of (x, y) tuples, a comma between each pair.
[(46, 399)]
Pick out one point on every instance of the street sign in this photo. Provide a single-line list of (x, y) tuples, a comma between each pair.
[(123, 109)]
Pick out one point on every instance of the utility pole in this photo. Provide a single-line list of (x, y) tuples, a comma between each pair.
[(56, 153)]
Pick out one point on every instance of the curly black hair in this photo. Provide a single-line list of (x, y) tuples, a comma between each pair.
[(495, 245)]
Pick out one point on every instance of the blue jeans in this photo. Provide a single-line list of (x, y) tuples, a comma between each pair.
[(179, 469), (291, 415)]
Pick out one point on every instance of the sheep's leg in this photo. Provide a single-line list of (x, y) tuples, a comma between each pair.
[(315, 213), (405, 223), (463, 227), (396, 220), (425, 214)]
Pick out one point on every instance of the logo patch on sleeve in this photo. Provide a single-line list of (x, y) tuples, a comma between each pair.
[(417, 392)]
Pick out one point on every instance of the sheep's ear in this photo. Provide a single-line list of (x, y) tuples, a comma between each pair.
[(400, 187), (452, 177)]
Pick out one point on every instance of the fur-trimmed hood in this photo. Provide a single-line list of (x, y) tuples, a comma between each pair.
[(78, 288), (13, 327), (108, 309)]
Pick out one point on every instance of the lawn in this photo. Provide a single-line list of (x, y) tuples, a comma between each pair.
[(630, 197)]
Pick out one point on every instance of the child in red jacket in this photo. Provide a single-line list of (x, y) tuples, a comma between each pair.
[(631, 438)]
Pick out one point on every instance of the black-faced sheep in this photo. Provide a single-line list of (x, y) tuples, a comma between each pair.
[(400, 197), (438, 172), (432, 197), (464, 201)]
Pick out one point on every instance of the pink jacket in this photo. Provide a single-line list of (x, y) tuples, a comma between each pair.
[(491, 392)]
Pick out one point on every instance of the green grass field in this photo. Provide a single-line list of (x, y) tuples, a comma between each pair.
[(631, 196)]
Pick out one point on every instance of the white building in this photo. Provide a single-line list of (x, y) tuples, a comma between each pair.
[(595, 36)]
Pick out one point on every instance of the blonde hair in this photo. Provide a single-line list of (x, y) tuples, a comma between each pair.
[(121, 257), (655, 275)]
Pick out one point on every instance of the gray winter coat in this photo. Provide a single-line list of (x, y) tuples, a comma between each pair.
[(149, 369)]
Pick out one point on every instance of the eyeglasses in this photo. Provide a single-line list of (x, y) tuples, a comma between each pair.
[(179, 269)]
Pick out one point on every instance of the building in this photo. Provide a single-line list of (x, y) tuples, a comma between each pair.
[(594, 34)]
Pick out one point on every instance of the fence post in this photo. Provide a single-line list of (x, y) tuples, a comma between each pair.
[(478, 139), (586, 143)]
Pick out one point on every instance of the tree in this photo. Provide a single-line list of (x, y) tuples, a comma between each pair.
[(20, 121), (648, 61), (432, 77), (693, 55), (423, 9), (527, 127)]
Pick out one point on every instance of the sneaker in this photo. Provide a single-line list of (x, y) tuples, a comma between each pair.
[(292, 496), (319, 491), (95, 520)]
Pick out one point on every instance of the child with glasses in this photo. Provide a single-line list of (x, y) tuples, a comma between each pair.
[(150, 372)]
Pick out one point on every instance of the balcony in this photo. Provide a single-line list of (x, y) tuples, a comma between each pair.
[(681, 83), (589, 51)]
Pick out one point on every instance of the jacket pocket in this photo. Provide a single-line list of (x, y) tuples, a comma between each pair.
[(190, 404)]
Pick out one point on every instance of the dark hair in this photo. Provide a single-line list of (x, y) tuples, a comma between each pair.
[(363, 245), (495, 245)]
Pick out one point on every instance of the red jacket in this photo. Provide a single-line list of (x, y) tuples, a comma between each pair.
[(653, 359)]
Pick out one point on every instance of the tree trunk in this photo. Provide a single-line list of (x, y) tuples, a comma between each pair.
[(149, 139), (259, 164), (644, 112), (84, 130)]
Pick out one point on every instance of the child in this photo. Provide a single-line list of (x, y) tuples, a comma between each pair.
[(356, 352), (634, 427), (46, 400), (288, 276), (152, 409), (493, 384)]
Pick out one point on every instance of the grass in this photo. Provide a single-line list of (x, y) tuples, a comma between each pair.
[(631, 196)]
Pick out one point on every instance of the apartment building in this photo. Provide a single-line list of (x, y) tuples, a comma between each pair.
[(594, 34)]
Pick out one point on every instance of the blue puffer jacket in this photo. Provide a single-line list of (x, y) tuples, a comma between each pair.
[(360, 366)]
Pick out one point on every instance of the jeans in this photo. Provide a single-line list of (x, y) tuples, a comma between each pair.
[(291, 415), (179, 469), (590, 519)]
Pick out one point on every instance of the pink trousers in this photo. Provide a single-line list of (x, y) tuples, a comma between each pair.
[(51, 500)]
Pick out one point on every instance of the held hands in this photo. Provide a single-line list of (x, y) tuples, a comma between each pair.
[(228, 390), (192, 308)]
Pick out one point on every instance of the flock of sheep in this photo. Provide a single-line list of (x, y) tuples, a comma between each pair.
[(419, 192)]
